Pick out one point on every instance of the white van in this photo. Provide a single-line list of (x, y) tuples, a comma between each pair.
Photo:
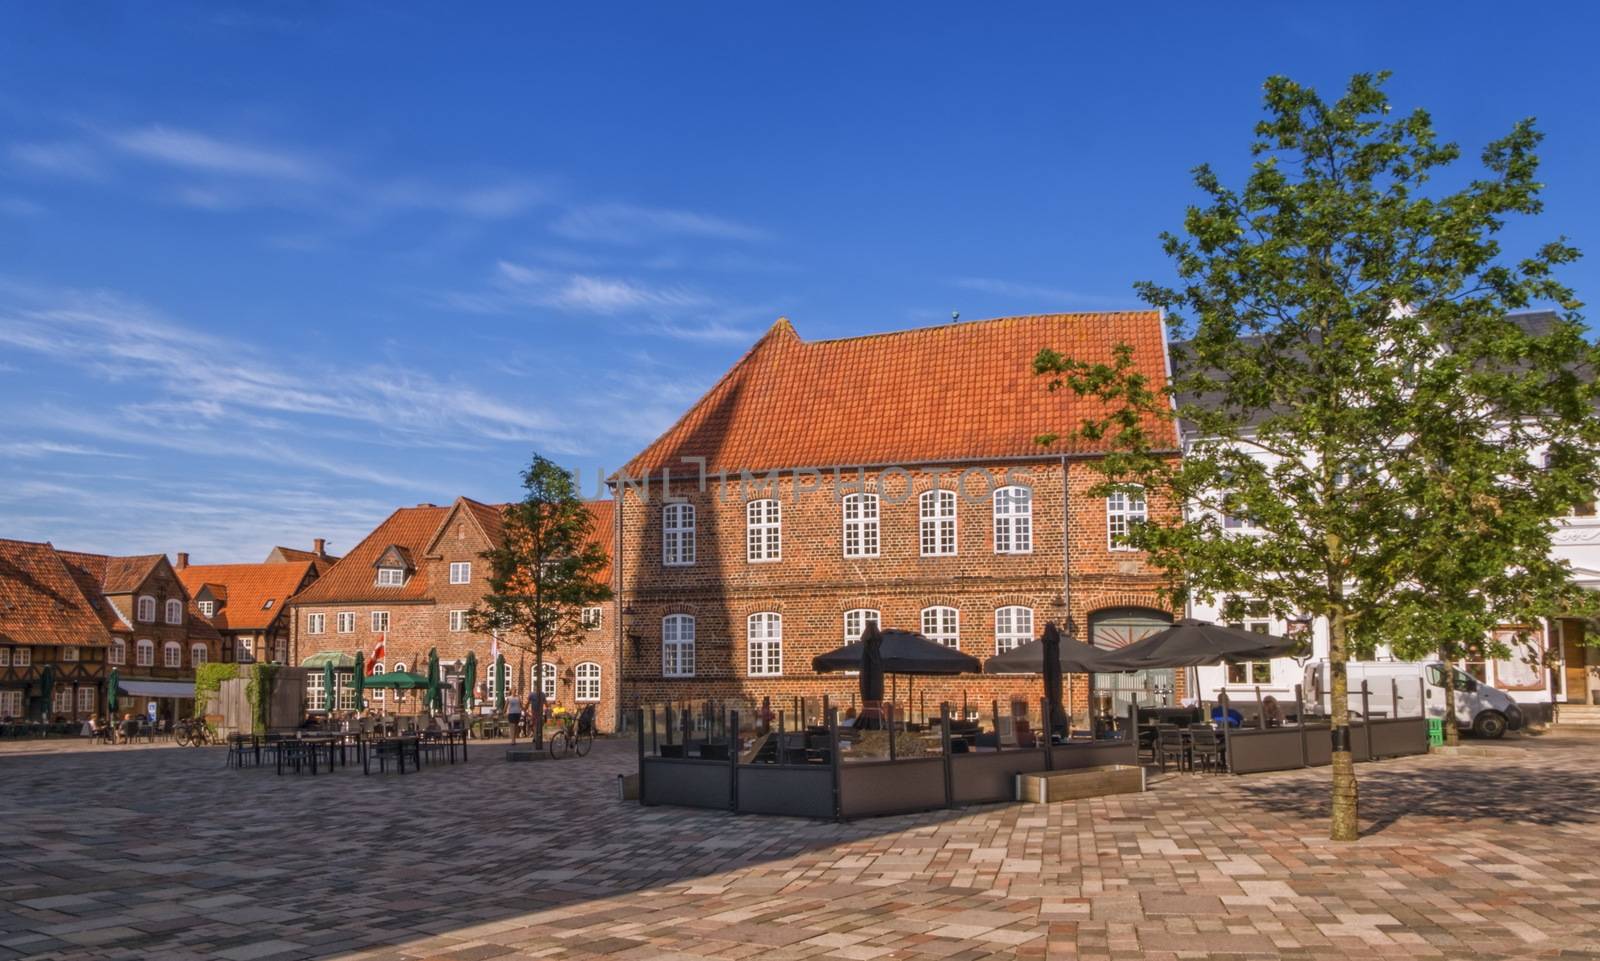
[(1481, 709)]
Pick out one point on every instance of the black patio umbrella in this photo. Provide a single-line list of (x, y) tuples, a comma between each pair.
[(902, 652), (1195, 643), (1074, 656)]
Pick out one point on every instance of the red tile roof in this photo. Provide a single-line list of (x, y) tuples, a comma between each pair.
[(352, 580), (245, 590), (293, 555), (604, 531), (957, 392), (41, 603), (89, 570)]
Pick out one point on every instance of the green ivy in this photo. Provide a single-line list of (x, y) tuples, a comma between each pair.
[(258, 694), (208, 680)]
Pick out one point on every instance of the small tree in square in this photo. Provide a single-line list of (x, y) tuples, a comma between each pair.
[(545, 570), (1352, 384)]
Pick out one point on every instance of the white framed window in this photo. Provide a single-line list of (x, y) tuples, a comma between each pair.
[(174, 612), (377, 694), (763, 531), (764, 639), (461, 572), (677, 535), (592, 618), (677, 645), (391, 577), (316, 623), (316, 693), (61, 700), (5, 657), (586, 688), (10, 704), (1013, 520), (197, 655), (280, 651), (117, 653), (380, 621), (69, 653), (247, 651), (1124, 509), (1013, 626), (855, 622), (347, 690), (547, 683), (346, 622), (144, 654), (1252, 672), (147, 609), (861, 525), (171, 654), (208, 608), (458, 620), (266, 605), (938, 523), (86, 697), (507, 676), (942, 624), (21, 656)]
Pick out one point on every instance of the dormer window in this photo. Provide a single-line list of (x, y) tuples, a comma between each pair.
[(208, 608), (391, 577)]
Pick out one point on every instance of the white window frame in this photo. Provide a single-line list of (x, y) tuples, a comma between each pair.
[(316, 623), (11, 703), (5, 657), (316, 693), (586, 683), (547, 684), (144, 653), (592, 618), (763, 531), (458, 621), (61, 700), (391, 577), (146, 607), (21, 656), (171, 654), (461, 572), (936, 528), (379, 622), (1123, 510), (860, 535), (677, 534), (1013, 520), (117, 652), (763, 633), (346, 622), (677, 645), (174, 612), (69, 652), (86, 699), (855, 622), (1013, 627), (378, 694), (942, 625), (207, 608), (1251, 671), (198, 655)]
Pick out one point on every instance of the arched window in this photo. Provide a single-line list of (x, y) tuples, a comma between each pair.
[(174, 611), (861, 525), (942, 624), (197, 655), (147, 609), (1013, 626), (677, 645), (144, 653), (587, 686), (118, 652), (1124, 511), (677, 535), (171, 654), (378, 694), (764, 634), (938, 513), (763, 531), (856, 621), (1013, 520), (547, 684)]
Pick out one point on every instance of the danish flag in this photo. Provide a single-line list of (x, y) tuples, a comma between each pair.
[(377, 653)]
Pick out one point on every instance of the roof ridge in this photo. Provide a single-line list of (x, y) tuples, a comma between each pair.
[(982, 322)]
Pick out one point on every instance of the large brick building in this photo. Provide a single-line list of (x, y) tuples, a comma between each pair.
[(248, 604), (408, 586), (895, 477), (48, 622)]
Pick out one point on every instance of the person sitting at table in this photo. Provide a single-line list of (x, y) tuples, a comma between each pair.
[(130, 727), (1234, 717), (1271, 711)]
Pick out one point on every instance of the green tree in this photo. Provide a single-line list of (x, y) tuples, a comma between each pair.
[(1327, 309), (544, 571)]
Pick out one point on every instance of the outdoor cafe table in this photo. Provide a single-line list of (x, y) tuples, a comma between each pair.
[(399, 747)]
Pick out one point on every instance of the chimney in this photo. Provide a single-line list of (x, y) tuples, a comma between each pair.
[(320, 547), (183, 560)]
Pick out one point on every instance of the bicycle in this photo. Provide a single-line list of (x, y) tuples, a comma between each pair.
[(194, 732), (572, 738)]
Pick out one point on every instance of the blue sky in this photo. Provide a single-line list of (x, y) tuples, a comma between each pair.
[(268, 271)]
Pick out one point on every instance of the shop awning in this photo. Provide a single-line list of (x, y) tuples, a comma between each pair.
[(156, 688), (338, 659)]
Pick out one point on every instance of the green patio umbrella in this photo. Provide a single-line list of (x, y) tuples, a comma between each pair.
[(328, 685), (47, 686), (469, 680), (435, 697), (499, 682), (111, 693), (359, 682)]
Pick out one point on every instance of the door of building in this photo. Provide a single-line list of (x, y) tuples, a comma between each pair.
[(1574, 663), (1116, 627)]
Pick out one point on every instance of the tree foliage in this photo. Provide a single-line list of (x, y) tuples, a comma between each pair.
[(1355, 392)]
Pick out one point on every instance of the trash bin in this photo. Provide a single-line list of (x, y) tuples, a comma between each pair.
[(1435, 730)]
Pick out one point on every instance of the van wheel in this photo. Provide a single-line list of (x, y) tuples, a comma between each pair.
[(1489, 724)]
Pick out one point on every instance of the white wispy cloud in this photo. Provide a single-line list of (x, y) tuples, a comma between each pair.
[(515, 287), (618, 223), (61, 159), (195, 150), (1053, 297), (45, 448)]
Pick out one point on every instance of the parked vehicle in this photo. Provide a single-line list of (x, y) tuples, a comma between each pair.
[(1480, 709)]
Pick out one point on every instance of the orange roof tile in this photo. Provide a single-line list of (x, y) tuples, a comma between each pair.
[(352, 579), (293, 555), (604, 531), (957, 392), (41, 602), (245, 590)]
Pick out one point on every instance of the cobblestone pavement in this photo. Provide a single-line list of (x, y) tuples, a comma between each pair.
[(164, 854)]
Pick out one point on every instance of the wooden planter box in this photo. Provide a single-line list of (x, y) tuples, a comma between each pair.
[(1047, 787)]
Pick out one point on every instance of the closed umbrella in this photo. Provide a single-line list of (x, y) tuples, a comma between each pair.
[(111, 693), (1195, 643), (47, 686), (330, 685), (434, 695), (499, 683), (1052, 675), (871, 674), (359, 681), (469, 680)]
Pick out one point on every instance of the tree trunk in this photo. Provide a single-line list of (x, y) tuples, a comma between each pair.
[(1345, 824), (1452, 733), (536, 696)]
